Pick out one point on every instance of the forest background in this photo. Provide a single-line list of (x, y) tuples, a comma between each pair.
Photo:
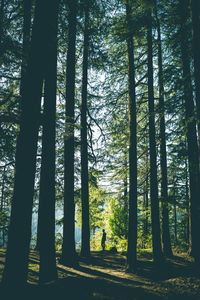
[(100, 110)]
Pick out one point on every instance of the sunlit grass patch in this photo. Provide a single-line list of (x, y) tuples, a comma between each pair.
[(34, 267)]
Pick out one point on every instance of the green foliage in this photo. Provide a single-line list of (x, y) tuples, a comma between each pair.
[(4, 219), (97, 199), (118, 219), (58, 241), (4, 222), (144, 241)]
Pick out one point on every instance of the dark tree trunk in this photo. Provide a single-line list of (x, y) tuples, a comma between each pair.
[(175, 224), (85, 233), (191, 134), (155, 219), (167, 250), (68, 249), (2, 205), (46, 212), (26, 41), (125, 194), (2, 188), (146, 196), (1, 27), (175, 212), (15, 272), (132, 225), (125, 185), (146, 227), (146, 210), (188, 238), (195, 9)]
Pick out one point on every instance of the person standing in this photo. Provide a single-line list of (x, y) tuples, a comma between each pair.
[(103, 240)]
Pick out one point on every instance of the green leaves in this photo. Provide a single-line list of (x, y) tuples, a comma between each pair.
[(118, 220)]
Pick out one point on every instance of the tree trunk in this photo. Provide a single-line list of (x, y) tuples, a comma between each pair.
[(175, 213), (46, 212), (68, 249), (2, 205), (195, 9), (132, 225), (175, 224), (1, 26), (155, 219), (167, 250), (146, 227), (125, 181), (26, 41), (85, 233), (2, 188), (191, 134), (15, 271), (125, 191), (188, 238), (146, 210)]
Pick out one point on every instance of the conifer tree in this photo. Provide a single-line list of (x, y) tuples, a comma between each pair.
[(132, 227), (155, 221), (163, 155), (191, 134), (195, 11), (85, 234), (68, 248), (46, 212), (15, 272)]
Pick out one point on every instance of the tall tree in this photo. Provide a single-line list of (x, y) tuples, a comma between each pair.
[(132, 225), (174, 210), (85, 234), (1, 25), (195, 10), (188, 219), (163, 155), (2, 214), (156, 238), (191, 134), (27, 6), (46, 212), (146, 198), (68, 248), (15, 272)]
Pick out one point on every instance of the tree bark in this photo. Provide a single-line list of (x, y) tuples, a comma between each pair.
[(46, 212), (2, 204), (188, 231), (1, 26), (132, 225), (167, 250), (26, 41), (2, 16), (85, 233), (146, 203), (195, 10), (15, 271), (68, 249), (155, 219), (191, 134), (125, 182), (175, 212)]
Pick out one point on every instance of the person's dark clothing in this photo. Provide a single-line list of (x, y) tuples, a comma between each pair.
[(103, 240)]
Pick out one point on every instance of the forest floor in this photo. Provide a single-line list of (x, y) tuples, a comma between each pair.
[(102, 277)]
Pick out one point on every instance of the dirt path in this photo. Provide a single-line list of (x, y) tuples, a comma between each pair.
[(103, 277)]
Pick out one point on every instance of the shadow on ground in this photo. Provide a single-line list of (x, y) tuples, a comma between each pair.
[(102, 277)]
